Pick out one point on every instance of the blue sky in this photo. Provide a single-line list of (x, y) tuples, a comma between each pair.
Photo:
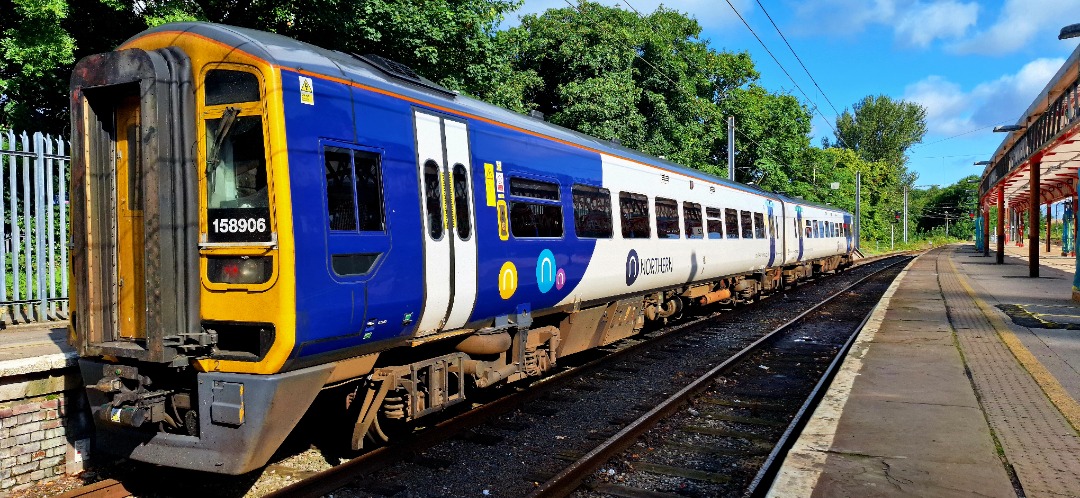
[(972, 64)]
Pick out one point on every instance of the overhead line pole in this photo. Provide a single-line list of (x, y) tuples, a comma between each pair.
[(731, 147), (858, 209), (905, 212)]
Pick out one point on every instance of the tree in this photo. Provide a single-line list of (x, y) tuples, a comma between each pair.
[(881, 129), (955, 202), (653, 85), (451, 42)]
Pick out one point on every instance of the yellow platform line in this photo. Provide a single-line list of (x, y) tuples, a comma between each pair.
[(1064, 402)]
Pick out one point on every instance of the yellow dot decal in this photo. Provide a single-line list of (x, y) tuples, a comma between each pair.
[(508, 280)]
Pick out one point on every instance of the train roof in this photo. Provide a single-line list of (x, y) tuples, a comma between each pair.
[(374, 72)]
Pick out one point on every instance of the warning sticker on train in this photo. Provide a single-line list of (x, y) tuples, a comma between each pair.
[(307, 91)]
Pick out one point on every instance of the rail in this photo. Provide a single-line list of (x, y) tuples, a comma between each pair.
[(570, 478)]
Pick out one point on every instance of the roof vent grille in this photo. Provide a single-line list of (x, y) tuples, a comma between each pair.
[(402, 72)]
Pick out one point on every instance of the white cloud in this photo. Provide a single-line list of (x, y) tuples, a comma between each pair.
[(711, 14), (952, 111), (923, 23), (913, 22), (1019, 22)]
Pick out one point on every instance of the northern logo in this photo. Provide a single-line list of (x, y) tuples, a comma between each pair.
[(633, 266), (636, 266)]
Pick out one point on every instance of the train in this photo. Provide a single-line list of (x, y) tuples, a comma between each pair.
[(256, 220)]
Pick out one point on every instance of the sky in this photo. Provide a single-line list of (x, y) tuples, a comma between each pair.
[(972, 65)]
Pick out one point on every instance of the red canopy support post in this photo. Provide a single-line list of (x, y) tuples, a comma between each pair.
[(1001, 225), (1033, 216)]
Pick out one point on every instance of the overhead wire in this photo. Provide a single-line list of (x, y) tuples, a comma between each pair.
[(813, 105), (781, 33), (764, 152)]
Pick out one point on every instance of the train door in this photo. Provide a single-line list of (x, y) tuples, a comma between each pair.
[(847, 232), (770, 220), (131, 322), (799, 232), (780, 231), (443, 160)]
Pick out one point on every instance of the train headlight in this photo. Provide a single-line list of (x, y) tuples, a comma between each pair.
[(239, 269)]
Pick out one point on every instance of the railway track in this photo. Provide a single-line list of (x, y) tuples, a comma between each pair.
[(508, 424), (529, 426), (744, 415)]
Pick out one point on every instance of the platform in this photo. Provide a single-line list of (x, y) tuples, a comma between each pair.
[(964, 383), (34, 348)]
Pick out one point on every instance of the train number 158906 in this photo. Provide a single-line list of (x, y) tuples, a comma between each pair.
[(239, 225)]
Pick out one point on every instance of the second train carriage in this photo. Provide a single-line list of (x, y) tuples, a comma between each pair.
[(255, 218)]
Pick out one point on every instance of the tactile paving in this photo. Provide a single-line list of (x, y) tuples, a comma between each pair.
[(1039, 443)]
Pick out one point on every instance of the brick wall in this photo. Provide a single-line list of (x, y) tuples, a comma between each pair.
[(44, 426)]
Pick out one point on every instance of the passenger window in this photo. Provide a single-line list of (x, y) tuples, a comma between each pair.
[(747, 224), (714, 223), (533, 189), (433, 199), (461, 202), (692, 215), (592, 212), (634, 210), (535, 219), (731, 223), (759, 225), (223, 86), (340, 202), (798, 232), (809, 229), (667, 219), (369, 191)]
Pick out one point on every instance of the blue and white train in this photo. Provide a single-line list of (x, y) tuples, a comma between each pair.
[(256, 218)]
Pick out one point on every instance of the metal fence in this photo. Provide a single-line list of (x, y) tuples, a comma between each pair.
[(34, 175)]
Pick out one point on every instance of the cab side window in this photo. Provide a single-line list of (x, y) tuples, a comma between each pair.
[(353, 190)]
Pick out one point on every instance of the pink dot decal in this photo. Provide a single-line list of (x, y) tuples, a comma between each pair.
[(560, 279)]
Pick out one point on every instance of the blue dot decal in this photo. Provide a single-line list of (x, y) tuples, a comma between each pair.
[(545, 270)]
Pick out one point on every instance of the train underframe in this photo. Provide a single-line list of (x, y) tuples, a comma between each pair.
[(232, 423)]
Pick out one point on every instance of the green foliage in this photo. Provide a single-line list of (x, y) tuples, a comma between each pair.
[(881, 129), (650, 82), (33, 47), (930, 208), (452, 42)]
